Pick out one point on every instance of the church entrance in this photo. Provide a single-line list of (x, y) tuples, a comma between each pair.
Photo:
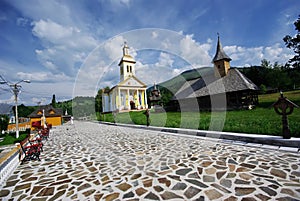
[(132, 105)]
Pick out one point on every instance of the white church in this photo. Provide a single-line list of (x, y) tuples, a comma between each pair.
[(130, 92)]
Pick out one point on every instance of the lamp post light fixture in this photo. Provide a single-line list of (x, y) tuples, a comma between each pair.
[(16, 89)]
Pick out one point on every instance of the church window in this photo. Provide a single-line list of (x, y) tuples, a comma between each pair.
[(127, 68), (131, 69)]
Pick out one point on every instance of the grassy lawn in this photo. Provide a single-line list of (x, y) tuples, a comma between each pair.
[(11, 138), (261, 120)]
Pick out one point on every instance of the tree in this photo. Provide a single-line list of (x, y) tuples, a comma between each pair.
[(53, 102), (278, 79), (3, 122), (98, 99), (294, 44), (24, 111), (265, 63)]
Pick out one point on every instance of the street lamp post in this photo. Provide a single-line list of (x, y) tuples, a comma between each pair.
[(16, 89)]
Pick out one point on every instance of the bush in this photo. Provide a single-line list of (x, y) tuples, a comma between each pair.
[(10, 138), (3, 122), (263, 88)]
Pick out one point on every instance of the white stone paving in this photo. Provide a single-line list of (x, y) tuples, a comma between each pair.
[(90, 161)]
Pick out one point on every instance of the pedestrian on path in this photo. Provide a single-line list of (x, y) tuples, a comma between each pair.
[(114, 113), (147, 113)]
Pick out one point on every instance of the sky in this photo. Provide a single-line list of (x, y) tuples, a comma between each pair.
[(72, 47)]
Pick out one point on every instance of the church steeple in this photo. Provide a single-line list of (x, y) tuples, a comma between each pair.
[(125, 49), (127, 64), (221, 61)]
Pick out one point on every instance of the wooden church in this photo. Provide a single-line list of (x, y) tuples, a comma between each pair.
[(222, 88), (130, 92)]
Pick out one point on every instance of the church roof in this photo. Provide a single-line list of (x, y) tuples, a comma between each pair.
[(49, 111), (132, 77), (220, 54), (124, 83), (127, 58), (209, 85)]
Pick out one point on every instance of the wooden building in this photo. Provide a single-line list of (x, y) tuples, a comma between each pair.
[(52, 115), (154, 96), (221, 88)]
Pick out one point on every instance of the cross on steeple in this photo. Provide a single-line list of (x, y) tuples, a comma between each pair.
[(125, 49)]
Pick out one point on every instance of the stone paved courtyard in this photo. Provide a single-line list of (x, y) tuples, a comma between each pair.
[(90, 161)]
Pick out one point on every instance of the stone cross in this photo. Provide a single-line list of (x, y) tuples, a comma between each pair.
[(284, 107)]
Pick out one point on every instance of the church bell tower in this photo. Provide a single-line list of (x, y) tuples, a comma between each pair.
[(127, 64), (221, 61)]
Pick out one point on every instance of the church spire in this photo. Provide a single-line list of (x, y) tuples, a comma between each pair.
[(221, 61), (220, 54), (127, 64), (125, 49)]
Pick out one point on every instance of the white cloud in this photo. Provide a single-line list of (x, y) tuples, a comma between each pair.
[(57, 34), (42, 92), (164, 60), (22, 21), (8, 99), (159, 75), (195, 52), (113, 48), (154, 34), (117, 3), (43, 77), (126, 2), (64, 46), (50, 65), (38, 100), (243, 56), (51, 31), (40, 9)]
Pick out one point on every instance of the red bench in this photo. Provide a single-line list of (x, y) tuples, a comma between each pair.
[(31, 152), (37, 141), (44, 133)]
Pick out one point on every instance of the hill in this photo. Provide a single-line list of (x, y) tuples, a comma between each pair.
[(176, 82)]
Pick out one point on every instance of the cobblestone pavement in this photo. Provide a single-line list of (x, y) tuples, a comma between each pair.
[(89, 161)]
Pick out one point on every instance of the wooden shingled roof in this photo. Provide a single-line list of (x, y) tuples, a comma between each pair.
[(48, 110), (220, 54), (209, 85)]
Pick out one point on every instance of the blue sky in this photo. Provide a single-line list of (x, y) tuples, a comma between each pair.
[(72, 47)]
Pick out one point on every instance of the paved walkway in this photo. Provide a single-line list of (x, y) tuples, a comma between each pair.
[(90, 161)]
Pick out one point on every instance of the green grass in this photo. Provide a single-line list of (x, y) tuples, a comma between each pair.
[(261, 120), (11, 138)]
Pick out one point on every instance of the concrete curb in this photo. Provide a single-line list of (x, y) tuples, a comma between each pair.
[(250, 139)]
